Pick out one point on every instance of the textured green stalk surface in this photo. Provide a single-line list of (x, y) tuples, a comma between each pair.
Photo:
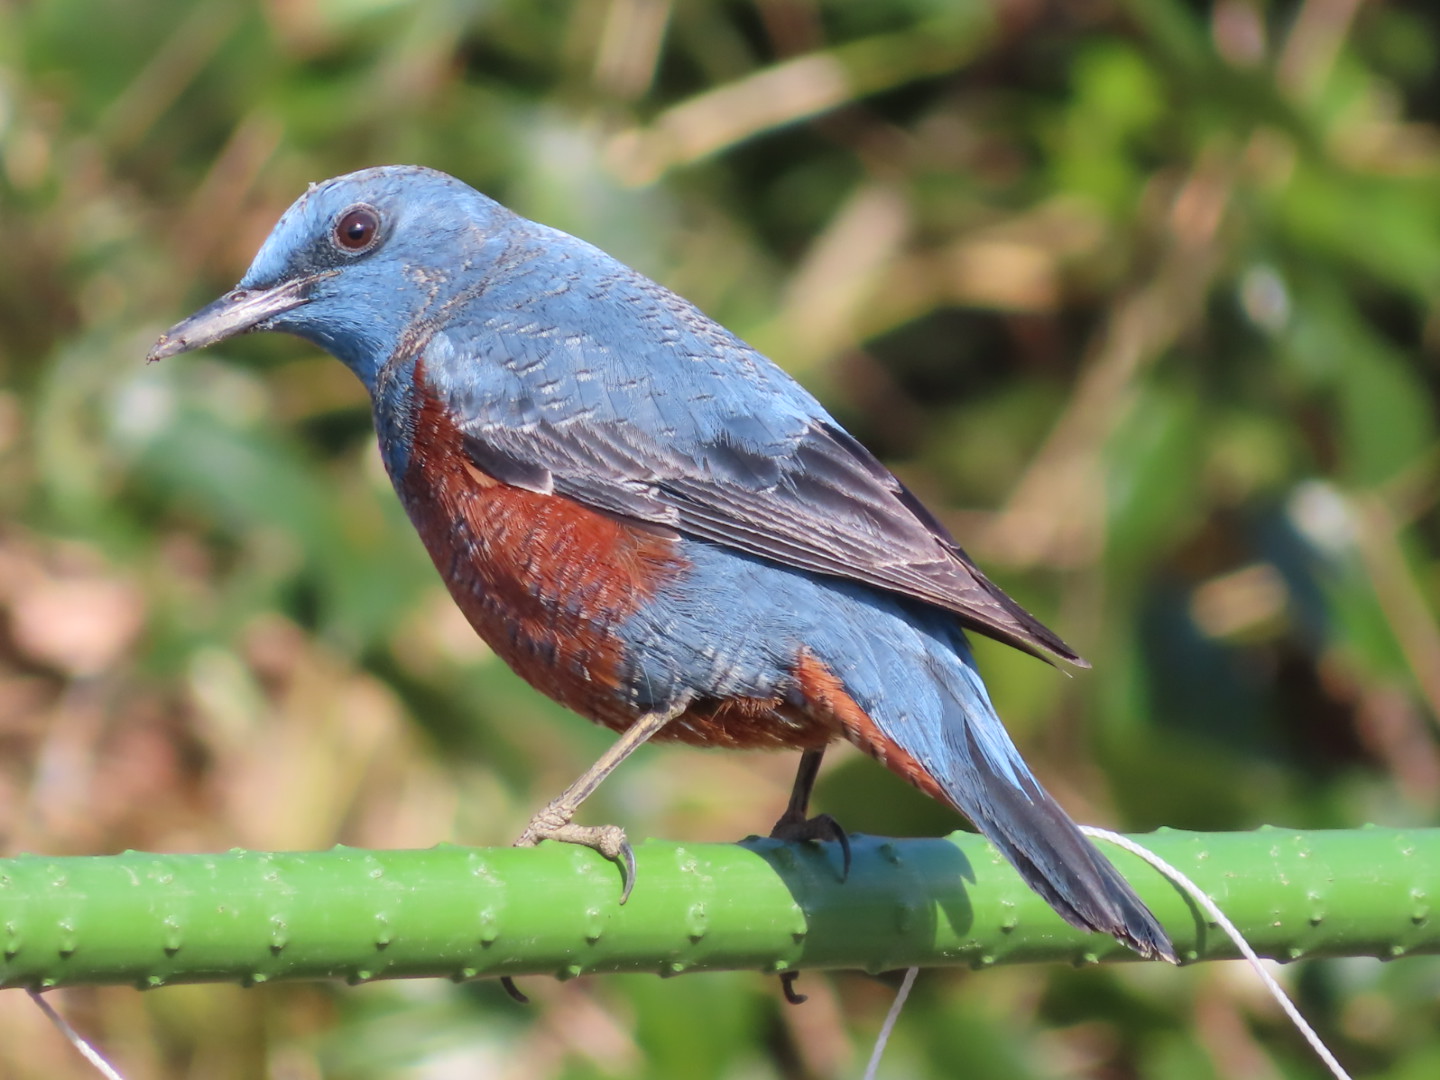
[(762, 905)]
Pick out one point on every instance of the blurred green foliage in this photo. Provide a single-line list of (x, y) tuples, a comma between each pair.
[(1140, 294)]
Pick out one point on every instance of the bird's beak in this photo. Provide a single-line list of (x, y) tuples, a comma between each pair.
[(237, 312)]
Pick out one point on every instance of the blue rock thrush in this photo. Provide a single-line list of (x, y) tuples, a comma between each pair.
[(651, 522)]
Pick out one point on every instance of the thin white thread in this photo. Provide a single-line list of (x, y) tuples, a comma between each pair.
[(889, 1025), (88, 1052), (1213, 910)]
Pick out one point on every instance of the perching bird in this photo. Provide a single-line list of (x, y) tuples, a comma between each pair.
[(651, 522)]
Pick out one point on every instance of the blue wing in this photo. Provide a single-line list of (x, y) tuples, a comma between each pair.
[(591, 381)]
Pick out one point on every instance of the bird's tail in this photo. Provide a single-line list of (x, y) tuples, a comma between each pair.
[(1056, 859), (968, 760)]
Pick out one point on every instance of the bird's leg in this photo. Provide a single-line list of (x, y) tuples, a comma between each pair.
[(795, 825), (553, 820)]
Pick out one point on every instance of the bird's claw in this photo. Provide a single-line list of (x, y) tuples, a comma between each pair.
[(820, 829), (608, 840), (627, 868), (787, 986), (514, 991)]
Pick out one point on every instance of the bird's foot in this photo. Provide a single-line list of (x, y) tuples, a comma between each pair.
[(553, 823), (821, 828)]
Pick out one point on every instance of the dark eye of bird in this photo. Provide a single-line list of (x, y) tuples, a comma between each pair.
[(357, 228)]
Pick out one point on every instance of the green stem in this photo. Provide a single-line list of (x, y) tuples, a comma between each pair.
[(761, 905)]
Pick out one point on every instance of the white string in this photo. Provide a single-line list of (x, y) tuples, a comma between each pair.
[(889, 1025), (1218, 917), (88, 1052)]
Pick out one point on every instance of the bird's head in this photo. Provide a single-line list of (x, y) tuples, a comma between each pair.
[(355, 264)]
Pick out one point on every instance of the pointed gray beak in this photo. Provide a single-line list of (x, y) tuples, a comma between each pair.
[(237, 312)]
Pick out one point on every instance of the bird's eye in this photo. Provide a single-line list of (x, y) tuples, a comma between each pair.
[(357, 229)]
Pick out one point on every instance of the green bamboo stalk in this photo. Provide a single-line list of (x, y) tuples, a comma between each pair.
[(464, 913)]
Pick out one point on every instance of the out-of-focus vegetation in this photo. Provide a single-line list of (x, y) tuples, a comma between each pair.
[(1140, 294)]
